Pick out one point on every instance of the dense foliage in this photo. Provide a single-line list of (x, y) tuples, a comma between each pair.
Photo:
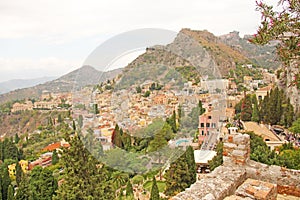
[(286, 156), (281, 25), (181, 173), (275, 108)]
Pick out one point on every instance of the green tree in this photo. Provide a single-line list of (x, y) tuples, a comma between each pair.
[(255, 111), (177, 178), (129, 189), (0, 189), (80, 121), (23, 191), (172, 122), (74, 125), (10, 194), (116, 137), (246, 108), (154, 190), (17, 138), (138, 89), (59, 118), (295, 128), (55, 157), (147, 94), (218, 159), (84, 176), (95, 109), (19, 173), (5, 182), (191, 164)]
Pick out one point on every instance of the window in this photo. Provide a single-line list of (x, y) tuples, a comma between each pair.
[(202, 132), (202, 125), (209, 117), (213, 125), (207, 125)]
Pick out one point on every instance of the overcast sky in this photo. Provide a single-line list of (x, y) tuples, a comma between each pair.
[(54, 37)]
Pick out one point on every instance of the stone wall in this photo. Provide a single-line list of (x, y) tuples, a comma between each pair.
[(216, 185), (226, 179), (287, 180), (236, 149)]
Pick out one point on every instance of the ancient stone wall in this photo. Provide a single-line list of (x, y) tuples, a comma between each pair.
[(226, 179), (287, 180), (236, 149)]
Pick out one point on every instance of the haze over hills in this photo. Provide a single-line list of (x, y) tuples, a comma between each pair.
[(208, 54), (83, 76), (14, 84)]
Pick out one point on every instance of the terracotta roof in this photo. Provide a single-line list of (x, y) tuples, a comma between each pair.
[(57, 145)]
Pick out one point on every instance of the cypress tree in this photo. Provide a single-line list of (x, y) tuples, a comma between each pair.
[(177, 178), (55, 157), (17, 138), (154, 190), (19, 173), (255, 113), (246, 108), (117, 137), (10, 194), (74, 126), (191, 164), (5, 182)]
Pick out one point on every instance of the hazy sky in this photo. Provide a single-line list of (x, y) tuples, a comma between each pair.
[(54, 37)]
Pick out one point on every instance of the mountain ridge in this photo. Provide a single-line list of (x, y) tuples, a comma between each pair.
[(86, 75)]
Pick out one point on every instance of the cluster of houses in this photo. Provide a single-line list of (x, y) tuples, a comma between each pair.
[(44, 160), (47, 101)]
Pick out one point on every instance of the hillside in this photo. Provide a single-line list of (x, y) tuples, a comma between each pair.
[(264, 56), (83, 76), (203, 53), (14, 84)]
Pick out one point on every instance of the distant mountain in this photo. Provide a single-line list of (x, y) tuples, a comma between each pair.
[(76, 79), (192, 54), (264, 56), (14, 84)]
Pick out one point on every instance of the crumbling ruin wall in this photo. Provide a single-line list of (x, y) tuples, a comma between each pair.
[(238, 167), (287, 180)]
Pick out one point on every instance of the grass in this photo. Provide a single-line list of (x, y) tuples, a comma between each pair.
[(160, 184)]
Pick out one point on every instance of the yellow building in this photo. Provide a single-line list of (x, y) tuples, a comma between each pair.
[(12, 168)]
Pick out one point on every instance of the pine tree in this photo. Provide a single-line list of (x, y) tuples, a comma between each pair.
[(19, 173), (84, 176), (191, 164), (10, 194), (154, 190), (55, 157)]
